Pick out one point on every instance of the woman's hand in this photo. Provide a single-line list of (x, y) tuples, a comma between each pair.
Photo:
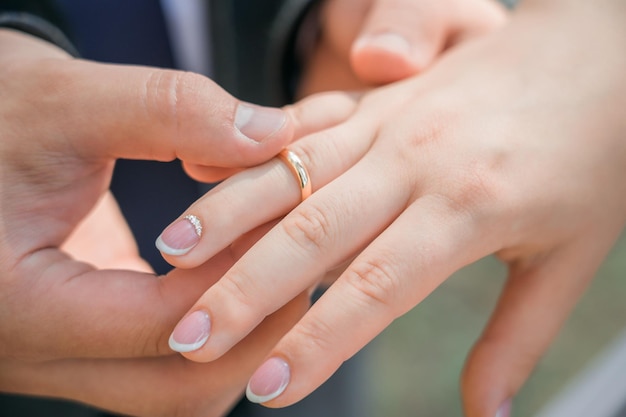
[(512, 144)]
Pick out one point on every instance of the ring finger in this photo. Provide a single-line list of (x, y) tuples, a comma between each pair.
[(229, 210)]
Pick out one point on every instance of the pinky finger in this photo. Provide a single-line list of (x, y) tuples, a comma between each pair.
[(535, 302)]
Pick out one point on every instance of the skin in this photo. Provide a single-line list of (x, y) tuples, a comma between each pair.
[(491, 151), (65, 328), (70, 273), (54, 173), (349, 57)]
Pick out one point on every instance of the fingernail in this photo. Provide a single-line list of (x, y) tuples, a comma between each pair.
[(505, 409), (388, 41), (269, 381), (181, 236), (256, 122), (191, 333)]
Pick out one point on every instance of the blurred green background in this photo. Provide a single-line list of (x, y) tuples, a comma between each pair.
[(413, 367)]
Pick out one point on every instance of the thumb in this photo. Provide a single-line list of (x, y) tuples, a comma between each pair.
[(115, 111), (53, 307), (401, 38), (534, 304)]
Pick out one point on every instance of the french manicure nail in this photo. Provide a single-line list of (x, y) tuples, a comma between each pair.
[(180, 237), (257, 122), (191, 333), (269, 381), (387, 41), (505, 409)]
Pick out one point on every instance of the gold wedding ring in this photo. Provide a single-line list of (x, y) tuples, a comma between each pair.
[(295, 165)]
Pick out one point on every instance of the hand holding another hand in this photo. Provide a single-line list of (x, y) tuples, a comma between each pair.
[(72, 324), (490, 151), (65, 123)]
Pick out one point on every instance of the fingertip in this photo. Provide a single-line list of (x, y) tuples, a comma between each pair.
[(386, 57), (262, 132), (481, 388), (387, 41), (505, 409), (180, 237), (269, 381), (258, 123), (191, 333)]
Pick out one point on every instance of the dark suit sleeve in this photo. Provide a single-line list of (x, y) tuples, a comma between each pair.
[(255, 51), (37, 18)]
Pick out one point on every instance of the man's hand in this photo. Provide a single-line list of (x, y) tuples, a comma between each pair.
[(372, 42), (69, 327), (64, 122)]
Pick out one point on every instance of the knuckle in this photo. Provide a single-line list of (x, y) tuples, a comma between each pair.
[(377, 281), (472, 189), (435, 124), (478, 183), (169, 95), (476, 189), (152, 341), (309, 228), (240, 289), (317, 336), (160, 94)]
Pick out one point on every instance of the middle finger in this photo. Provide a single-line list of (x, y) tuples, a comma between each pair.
[(318, 235)]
